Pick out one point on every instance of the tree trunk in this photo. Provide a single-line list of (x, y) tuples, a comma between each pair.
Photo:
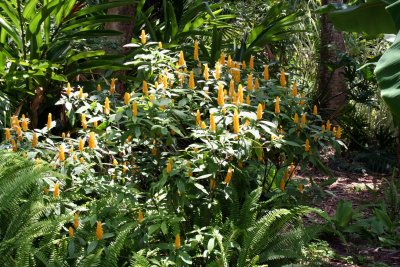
[(115, 43), (332, 88)]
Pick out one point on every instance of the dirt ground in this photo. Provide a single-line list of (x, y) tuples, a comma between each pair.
[(360, 189)]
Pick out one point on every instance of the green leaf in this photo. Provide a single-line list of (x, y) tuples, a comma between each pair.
[(92, 246), (11, 31), (153, 228), (371, 18), (85, 55), (210, 245), (388, 77)]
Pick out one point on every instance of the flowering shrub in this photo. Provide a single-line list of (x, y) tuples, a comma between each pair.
[(186, 151)]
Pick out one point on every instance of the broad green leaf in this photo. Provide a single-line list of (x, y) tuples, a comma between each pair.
[(388, 76), (371, 18), (99, 19), (11, 31), (85, 55)]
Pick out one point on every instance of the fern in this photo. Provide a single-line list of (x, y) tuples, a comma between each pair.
[(138, 260), (116, 247)]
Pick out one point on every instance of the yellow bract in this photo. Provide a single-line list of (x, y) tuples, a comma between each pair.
[(99, 231), (143, 37)]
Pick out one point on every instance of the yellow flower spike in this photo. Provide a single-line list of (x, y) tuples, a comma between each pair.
[(177, 241), (250, 82), (181, 58), (49, 120), (203, 125), (95, 124), (80, 95), (301, 188), (156, 85), (213, 184), (322, 129), (145, 88), (328, 125), (181, 79), (92, 140), (63, 136), (256, 84), (191, 80), (236, 124), (34, 140), (61, 153), (115, 162), (303, 119), (221, 95), (8, 134), (248, 100), (339, 133), (296, 118), (240, 94), (247, 123), (99, 231), (160, 45), (83, 121), (251, 63), (196, 51), (112, 86), (198, 118), (14, 145), (124, 167), (107, 106), (294, 89), (231, 87), (98, 88), (266, 72), (81, 160), (169, 165), (165, 81), (134, 109), (37, 161), (71, 231), (151, 98), (282, 184), (315, 110), (185, 70), (244, 65), (74, 157), (213, 127), (222, 58), (277, 105), (81, 144), (291, 170), (140, 216), (14, 122), (76, 220), (217, 70), (56, 192), (68, 90), (160, 78), (143, 39), (302, 100), (259, 112), (229, 61), (228, 176), (282, 79), (127, 97), (19, 133), (206, 72), (307, 146)]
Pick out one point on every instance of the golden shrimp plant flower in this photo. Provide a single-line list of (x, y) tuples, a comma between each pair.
[(76, 220), (282, 79), (127, 97), (143, 39), (259, 112), (61, 153), (56, 192), (221, 96), (8, 134), (99, 231), (277, 105), (92, 140), (228, 176), (213, 127), (236, 125), (49, 120), (266, 72), (191, 80), (177, 241), (107, 106)]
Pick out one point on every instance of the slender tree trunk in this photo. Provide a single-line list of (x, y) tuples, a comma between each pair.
[(332, 87)]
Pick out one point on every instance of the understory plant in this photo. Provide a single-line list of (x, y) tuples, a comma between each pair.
[(185, 167)]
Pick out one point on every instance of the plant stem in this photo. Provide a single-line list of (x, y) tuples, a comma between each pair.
[(21, 24)]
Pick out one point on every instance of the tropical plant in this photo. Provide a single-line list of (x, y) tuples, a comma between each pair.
[(41, 43)]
